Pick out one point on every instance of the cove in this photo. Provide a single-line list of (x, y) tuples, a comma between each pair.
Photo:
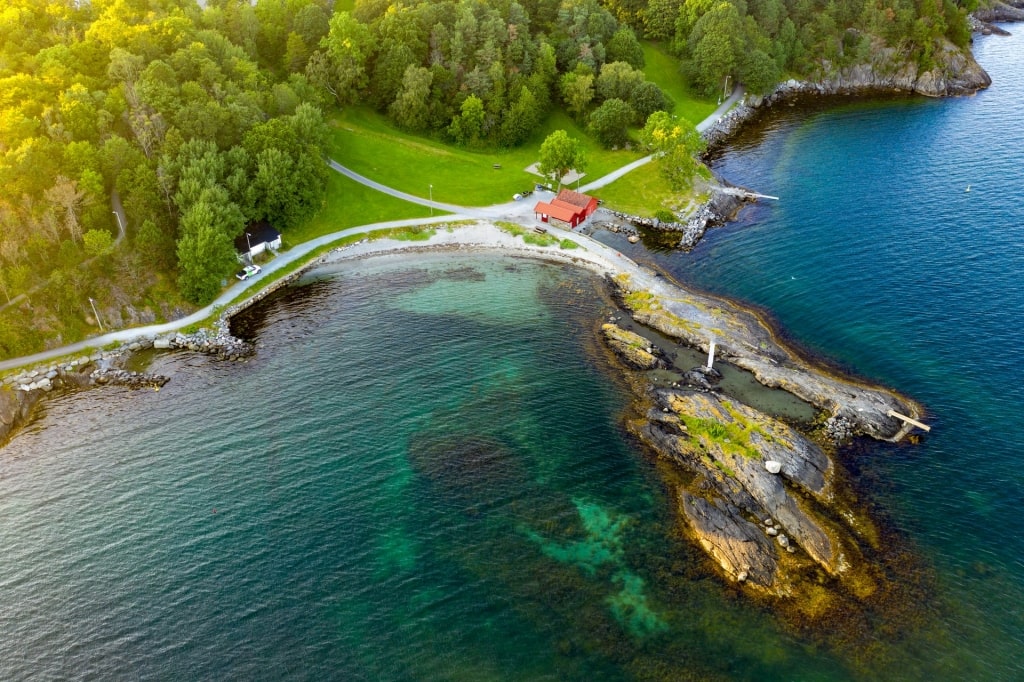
[(419, 476)]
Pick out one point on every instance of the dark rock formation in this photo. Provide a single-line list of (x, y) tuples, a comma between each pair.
[(767, 531), (1003, 12), (634, 350), (745, 341), (740, 547), (956, 73), (719, 209), (15, 409)]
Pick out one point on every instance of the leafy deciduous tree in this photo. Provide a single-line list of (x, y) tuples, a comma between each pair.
[(560, 154)]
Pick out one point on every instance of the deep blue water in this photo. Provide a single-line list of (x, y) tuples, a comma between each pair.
[(877, 258), (422, 475)]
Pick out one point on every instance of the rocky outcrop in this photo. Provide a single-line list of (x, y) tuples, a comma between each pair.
[(719, 209), (634, 350), (956, 73), (763, 501), (15, 410), (744, 340), (742, 549), (1003, 12), (728, 446)]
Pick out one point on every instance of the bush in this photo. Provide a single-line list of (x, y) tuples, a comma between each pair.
[(665, 215)]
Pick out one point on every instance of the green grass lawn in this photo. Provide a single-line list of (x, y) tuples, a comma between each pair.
[(663, 69), (348, 204), (641, 192), (369, 144)]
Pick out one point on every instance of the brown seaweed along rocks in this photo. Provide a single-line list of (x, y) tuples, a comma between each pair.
[(785, 534)]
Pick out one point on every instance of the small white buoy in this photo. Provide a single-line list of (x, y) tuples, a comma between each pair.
[(968, 188)]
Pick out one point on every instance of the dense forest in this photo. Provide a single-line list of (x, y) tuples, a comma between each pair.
[(202, 119)]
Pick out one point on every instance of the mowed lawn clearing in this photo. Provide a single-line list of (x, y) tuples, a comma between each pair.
[(348, 204), (644, 191), (663, 70), (369, 144)]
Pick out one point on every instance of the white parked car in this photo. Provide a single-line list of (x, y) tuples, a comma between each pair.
[(247, 272)]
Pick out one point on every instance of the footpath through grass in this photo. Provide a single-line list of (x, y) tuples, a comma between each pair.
[(369, 144)]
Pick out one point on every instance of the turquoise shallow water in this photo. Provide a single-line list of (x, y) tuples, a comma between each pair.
[(421, 475)]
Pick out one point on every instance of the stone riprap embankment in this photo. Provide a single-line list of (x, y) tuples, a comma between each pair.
[(21, 392), (719, 209)]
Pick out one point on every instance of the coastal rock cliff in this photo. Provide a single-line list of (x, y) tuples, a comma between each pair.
[(955, 73), (15, 410)]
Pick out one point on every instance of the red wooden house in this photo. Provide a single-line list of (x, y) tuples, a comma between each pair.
[(586, 203), (570, 215), (569, 207)]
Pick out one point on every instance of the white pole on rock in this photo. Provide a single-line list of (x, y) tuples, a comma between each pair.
[(711, 354)]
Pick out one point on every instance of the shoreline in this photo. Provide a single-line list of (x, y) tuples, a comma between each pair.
[(777, 516), (769, 505), (765, 352)]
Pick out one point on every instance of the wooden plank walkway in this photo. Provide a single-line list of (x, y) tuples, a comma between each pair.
[(913, 422)]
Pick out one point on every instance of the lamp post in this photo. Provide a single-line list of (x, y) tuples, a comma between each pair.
[(249, 244), (431, 201), (98, 321), (119, 224)]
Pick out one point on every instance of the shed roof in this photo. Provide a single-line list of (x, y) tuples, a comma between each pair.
[(574, 198), (557, 211), (259, 233)]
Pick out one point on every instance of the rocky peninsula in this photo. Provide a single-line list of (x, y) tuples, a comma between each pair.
[(768, 503), (763, 500)]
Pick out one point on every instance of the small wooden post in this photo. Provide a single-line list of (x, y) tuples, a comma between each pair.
[(711, 354)]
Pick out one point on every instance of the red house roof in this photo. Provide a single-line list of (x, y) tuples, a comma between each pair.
[(578, 199), (563, 212)]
